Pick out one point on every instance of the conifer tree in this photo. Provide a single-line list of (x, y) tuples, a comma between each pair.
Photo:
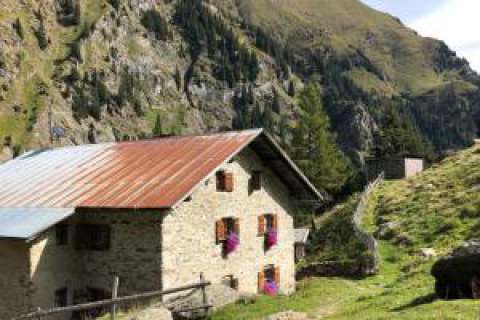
[(399, 137), (276, 102), (19, 28), (157, 129), (291, 89), (178, 78), (313, 145), (41, 34)]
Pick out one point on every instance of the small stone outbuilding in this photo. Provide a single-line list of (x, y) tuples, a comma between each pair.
[(394, 168), (155, 213), (301, 238)]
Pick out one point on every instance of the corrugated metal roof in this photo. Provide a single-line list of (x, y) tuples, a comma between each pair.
[(153, 173), (26, 223), (149, 174), (301, 235)]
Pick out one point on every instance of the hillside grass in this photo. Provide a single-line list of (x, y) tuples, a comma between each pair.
[(438, 209), (398, 51)]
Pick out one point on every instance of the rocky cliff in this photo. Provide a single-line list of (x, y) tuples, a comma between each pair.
[(96, 70)]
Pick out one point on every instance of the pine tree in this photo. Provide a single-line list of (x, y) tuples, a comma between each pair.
[(41, 34), (157, 129), (399, 137), (276, 102), (19, 28), (178, 78), (313, 145), (115, 4), (291, 88)]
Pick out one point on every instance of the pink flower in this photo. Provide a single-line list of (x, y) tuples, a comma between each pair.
[(232, 243), (272, 238), (270, 288)]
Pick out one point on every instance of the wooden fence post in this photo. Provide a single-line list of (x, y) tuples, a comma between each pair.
[(116, 281), (204, 292)]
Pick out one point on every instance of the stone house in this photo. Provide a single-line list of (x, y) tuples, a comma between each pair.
[(156, 213), (394, 168)]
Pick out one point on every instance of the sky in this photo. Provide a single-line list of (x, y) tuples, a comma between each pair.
[(457, 22)]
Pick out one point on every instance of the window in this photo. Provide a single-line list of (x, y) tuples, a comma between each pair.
[(224, 181), (61, 298), (267, 223), (270, 274), (228, 234), (226, 226), (61, 233), (255, 182), (230, 281), (271, 222), (93, 237)]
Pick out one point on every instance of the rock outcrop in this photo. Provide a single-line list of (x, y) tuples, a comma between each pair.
[(458, 274)]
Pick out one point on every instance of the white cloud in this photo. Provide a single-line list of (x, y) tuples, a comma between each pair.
[(456, 22)]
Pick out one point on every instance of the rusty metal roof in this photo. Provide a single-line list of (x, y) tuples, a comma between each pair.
[(27, 223), (149, 174)]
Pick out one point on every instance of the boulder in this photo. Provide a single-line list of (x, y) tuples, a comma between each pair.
[(458, 274), (153, 313), (428, 253), (5, 154), (218, 295), (387, 230)]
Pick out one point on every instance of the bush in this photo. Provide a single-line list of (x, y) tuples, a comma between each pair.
[(17, 25), (41, 35), (154, 22)]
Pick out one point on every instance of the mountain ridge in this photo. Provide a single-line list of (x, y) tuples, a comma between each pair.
[(114, 71)]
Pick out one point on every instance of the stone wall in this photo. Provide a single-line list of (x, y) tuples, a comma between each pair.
[(134, 254), (54, 267), (15, 285), (189, 239)]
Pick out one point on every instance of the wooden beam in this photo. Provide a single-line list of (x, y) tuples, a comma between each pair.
[(110, 302)]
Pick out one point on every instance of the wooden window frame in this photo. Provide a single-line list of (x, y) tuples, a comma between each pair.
[(231, 281), (93, 237), (266, 223), (269, 272), (226, 225), (225, 181)]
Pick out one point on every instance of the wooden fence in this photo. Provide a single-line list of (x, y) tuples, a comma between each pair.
[(116, 301), (365, 237)]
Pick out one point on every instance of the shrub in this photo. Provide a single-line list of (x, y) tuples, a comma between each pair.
[(154, 22), (17, 25)]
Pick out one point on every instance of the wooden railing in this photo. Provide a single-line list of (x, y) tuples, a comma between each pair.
[(116, 301)]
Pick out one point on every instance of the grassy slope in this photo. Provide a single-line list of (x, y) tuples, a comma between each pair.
[(438, 209), (400, 53)]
